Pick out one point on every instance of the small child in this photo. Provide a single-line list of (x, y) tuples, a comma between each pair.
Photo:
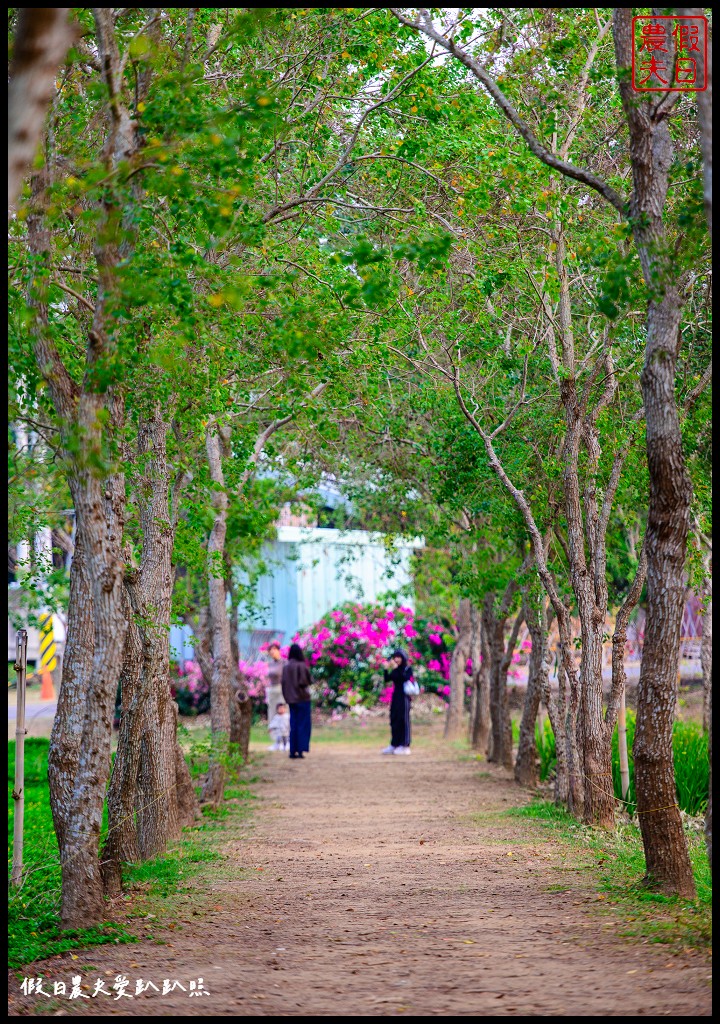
[(279, 727)]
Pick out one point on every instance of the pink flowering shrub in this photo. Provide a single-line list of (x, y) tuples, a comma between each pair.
[(348, 648), (190, 690), (193, 695), (346, 651)]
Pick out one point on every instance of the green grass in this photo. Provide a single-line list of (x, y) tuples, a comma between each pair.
[(618, 864), (33, 908)]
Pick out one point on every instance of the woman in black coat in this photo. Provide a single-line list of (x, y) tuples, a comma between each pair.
[(296, 681), (399, 705)]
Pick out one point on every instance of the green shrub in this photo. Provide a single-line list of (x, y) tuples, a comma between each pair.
[(692, 767), (545, 741), (690, 752)]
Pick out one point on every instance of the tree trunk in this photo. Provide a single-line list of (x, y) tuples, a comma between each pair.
[(526, 762), (576, 775), (619, 678), (100, 522), (557, 713), (66, 735), (121, 844), (493, 622), (42, 40), (79, 759), (504, 709), (241, 704), (221, 685), (593, 739), (651, 151), (157, 809), (494, 629), (480, 717), (454, 721), (146, 756)]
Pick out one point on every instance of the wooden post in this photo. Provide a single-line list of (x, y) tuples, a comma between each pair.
[(19, 789), (622, 748)]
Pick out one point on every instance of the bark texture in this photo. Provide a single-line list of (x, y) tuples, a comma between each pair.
[(494, 620), (666, 855), (121, 843), (221, 679), (92, 419), (526, 761), (480, 709), (240, 704), (42, 39), (455, 717)]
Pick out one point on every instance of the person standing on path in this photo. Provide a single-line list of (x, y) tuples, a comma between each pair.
[(296, 682), (274, 694), (398, 675)]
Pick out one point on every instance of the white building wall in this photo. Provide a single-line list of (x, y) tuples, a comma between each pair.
[(310, 571), (334, 566)]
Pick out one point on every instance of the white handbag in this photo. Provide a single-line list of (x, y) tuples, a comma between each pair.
[(411, 688)]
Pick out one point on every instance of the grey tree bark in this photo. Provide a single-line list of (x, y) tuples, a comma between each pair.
[(666, 856), (526, 761), (43, 37), (454, 720), (479, 730), (221, 684), (79, 771), (240, 703), (494, 620), (121, 843)]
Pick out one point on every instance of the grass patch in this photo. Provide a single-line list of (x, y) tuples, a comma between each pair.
[(618, 863), (34, 908)]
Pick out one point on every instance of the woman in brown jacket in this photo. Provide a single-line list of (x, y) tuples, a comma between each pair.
[(296, 682)]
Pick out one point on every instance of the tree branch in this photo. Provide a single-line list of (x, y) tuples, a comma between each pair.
[(425, 25)]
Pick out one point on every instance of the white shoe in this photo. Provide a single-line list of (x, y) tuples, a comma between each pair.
[(401, 750), (388, 750)]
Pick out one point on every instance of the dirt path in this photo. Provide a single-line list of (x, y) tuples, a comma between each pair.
[(383, 886)]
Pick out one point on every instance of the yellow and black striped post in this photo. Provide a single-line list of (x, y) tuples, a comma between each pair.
[(48, 656)]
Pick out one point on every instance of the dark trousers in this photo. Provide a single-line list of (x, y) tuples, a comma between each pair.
[(400, 721), (300, 726)]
